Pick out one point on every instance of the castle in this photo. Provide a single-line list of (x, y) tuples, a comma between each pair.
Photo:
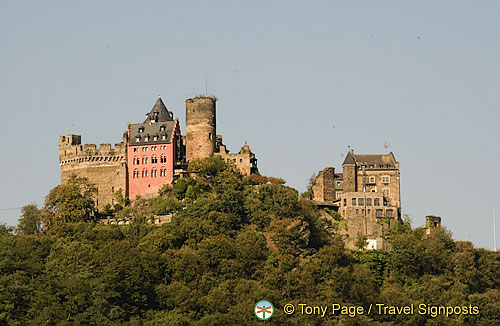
[(366, 194), (152, 153)]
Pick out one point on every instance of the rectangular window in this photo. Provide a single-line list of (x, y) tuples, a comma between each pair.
[(371, 180), (369, 211), (386, 179), (345, 202), (379, 213), (357, 211), (388, 213), (362, 212), (361, 201), (354, 202), (386, 191), (376, 202), (368, 201)]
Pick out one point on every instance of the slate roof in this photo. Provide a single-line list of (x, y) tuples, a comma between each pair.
[(159, 113), (372, 161), (139, 132)]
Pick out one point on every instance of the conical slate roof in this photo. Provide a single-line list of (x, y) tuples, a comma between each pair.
[(349, 159), (159, 113)]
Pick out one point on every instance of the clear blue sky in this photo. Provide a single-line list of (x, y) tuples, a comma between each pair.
[(300, 81)]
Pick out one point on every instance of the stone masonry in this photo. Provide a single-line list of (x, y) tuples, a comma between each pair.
[(104, 166)]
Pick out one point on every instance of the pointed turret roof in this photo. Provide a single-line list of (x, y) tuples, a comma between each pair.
[(245, 149), (159, 113), (349, 159)]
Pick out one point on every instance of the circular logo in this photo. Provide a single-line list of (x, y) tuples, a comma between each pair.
[(263, 310)]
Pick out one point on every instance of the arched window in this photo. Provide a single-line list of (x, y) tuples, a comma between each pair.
[(154, 159), (163, 172), (144, 173), (144, 160), (153, 173), (136, 160), (136, 173), (163, 159)]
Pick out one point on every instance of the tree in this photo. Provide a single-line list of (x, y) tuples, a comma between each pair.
[(30, 221), (71, 202)]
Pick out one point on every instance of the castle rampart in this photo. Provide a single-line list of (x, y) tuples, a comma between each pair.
[(103, 165)]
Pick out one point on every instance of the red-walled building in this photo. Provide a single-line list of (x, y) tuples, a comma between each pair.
[(152, 151)]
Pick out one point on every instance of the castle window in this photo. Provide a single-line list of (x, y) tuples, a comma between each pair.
[(376, 202), (153, 148), (136, 173), (386, 179), (146, 138), (135, 149), (137, 139), (162, 128), (386, 191), (354, 202), (372, 180), (361, 201), (163, 137), (379, 213), (144, 149), (388, 213), (345, 202), (357, 211), (153, 173), (154, 160), (141, 129), (368, 211), (144, 173), (163, 172), (362, 212), (368, 201), (136, 161), (163, 159), (241, 160), (386, 203), (155, 138)]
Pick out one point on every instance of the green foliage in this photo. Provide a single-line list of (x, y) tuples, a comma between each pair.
[(30, 220), (208, 167), (231, 242), (71, 202)]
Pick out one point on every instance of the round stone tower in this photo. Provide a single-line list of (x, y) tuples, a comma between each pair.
[(200, 127)]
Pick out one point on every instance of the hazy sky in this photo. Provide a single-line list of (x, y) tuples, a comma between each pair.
[(299, 80)]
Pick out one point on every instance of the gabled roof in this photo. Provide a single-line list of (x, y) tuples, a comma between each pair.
[(159, 113)]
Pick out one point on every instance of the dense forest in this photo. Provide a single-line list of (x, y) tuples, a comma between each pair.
[(232, 241)]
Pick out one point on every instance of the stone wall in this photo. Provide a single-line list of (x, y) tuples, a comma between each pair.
[(104, 166), (324, 186), (200, 127)]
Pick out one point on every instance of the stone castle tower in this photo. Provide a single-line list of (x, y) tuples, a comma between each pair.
[(200, 127), (104, 166)]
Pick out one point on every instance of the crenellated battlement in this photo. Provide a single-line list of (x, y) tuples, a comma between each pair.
[(72, 151)]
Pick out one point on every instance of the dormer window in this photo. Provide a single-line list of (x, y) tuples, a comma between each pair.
[(138, 139), (163, 137), (146, 138), (162, 128), (141, 129), (155, 138)]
